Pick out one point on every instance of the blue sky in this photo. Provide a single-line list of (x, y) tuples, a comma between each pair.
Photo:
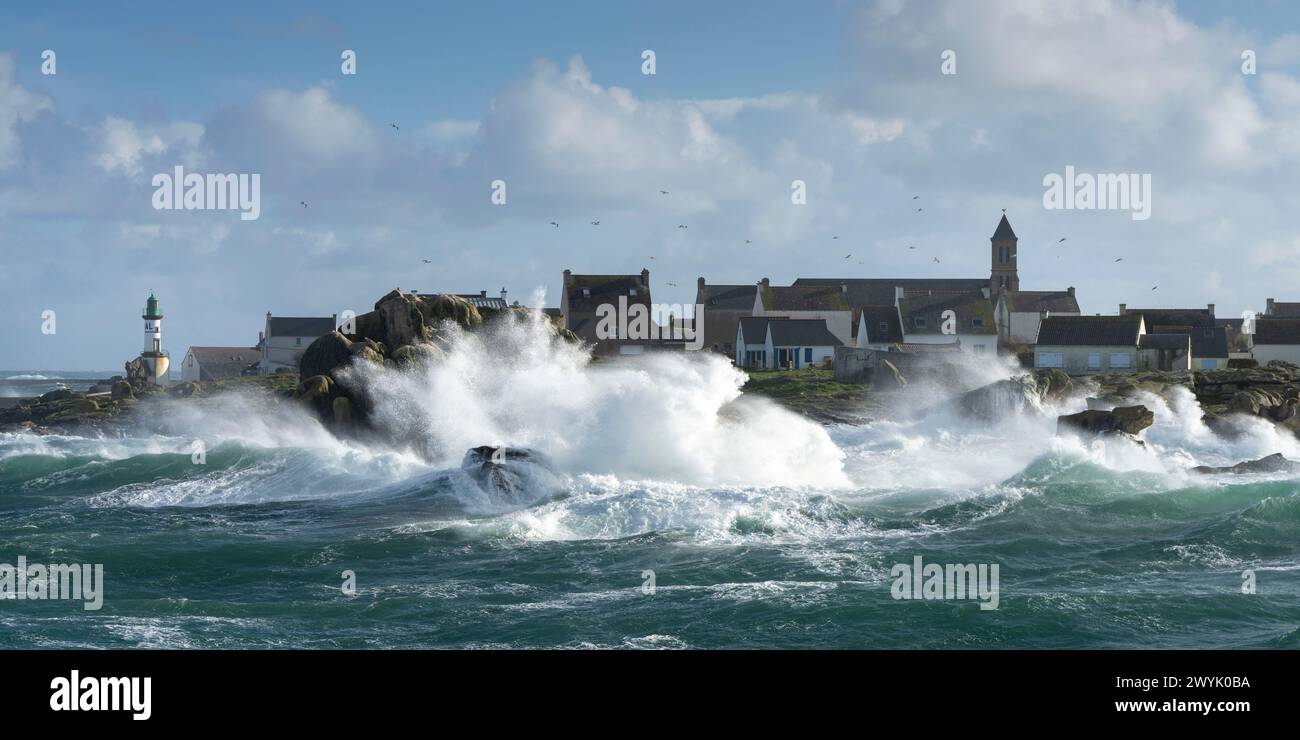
[(748, 97)]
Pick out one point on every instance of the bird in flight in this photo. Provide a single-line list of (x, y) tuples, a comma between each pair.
[(848, 256), (595, 223), (1058, 241), (672, 285), (919, 210), (555, 224), (914, 197), (835, 237), (395, 126), (681, 226), (663, 192), (936, 259), (427, 262), (1119, 259), (747, 241), (911, 247), (1154, 287)]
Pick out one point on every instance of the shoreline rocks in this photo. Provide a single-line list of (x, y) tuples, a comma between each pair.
[(1274, 463)]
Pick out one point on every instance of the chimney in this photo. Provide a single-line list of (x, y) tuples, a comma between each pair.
[(482, 294), (1070, 290), (568, 277), (699, 284), (1211, 307), (645, 278), (503, 292), (765, 284), (1267, 311), (1123, 309)]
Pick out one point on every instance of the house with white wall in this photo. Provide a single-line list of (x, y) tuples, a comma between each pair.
[(285, 338), (751, 342), (1019, 312), (1276, 339), (819, 302), (798, 343), (878, 327), (1089, 345)]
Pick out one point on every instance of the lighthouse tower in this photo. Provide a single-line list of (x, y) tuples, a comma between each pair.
[(153, 355)]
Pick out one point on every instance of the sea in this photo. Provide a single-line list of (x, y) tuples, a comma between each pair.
[(677, 513)]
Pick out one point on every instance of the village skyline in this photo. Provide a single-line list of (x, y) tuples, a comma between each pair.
[(387, 177)]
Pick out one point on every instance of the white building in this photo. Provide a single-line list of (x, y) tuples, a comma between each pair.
[(1019, 312), (1276, 339), (285, 338), (799, 343), (826, 303), (878, 327)]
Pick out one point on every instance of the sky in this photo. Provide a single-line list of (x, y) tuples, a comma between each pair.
[(396, 163)]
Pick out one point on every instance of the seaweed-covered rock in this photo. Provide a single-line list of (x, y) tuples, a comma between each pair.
[(121, 391), (417, 354), (1274, 463)]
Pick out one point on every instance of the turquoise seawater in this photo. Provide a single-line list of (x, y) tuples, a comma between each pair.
[(762, 530)]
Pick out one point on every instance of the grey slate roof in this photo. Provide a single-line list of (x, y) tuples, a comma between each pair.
[(300, 326), (1277, 331), (804, 298), (1166, 341), (728, 297), (754, 329), (601, 289), (481, 301), (1210, 342), (1176, 319), (880, 291), (1089, 331), (216, 363), (1004, 230), (1037, 301), (974, 313), (1285, 310), (801, 333), (882, 325)]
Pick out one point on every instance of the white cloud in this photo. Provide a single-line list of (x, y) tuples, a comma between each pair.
[(17, 105), (123, 144)]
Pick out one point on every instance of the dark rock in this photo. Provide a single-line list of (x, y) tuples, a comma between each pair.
[(327, 352), (121, 391), (417, 354), (1124, 419), (61, 394), (511, 475), (1274, 463)]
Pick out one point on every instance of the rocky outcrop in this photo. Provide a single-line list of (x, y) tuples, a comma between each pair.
[(1123, 419), (1014, 395), (121, 391), (1274, 463), (511, 475), (405, 330)]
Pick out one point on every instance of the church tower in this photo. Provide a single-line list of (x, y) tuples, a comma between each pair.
[(1004, 276)]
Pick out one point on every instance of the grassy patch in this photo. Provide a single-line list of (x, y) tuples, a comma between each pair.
[(810, 391)]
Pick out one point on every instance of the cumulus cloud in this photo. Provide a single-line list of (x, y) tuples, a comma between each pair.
[(123, 144)]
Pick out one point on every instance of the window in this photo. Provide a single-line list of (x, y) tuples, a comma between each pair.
[(586, 292), (807, 354), (1051, 359), (298, 341), (1208, 364), (1121, 359), (1094, 360), (978, 349), (977, 322), (919, 322), (884, 328), (631, 291)]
